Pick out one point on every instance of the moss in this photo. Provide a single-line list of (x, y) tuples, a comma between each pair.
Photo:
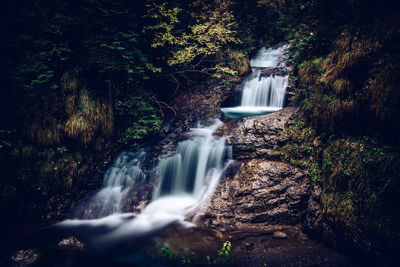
[(88, 117), (140, 119), (362, 172), (300, 150), (358, 177), (352, 89)]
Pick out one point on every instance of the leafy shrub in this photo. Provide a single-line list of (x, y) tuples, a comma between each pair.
[(224, 252), (358, 177), (140, 119)]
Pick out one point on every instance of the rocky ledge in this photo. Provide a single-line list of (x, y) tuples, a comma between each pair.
[(259, 192)]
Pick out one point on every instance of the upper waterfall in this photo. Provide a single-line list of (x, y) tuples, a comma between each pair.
[(259, 91), (269, 58), (263, 91)]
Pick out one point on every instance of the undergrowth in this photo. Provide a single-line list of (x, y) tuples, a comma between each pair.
[(357, 176)]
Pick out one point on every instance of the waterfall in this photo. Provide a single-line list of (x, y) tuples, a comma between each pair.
[(269, 58), (185, 180), (118, 180), (195, 162), (264, 90)]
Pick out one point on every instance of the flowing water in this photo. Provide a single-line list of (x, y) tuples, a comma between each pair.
[(118, 180), (262, 93), (185, 180), (269, 57), (182, 182)]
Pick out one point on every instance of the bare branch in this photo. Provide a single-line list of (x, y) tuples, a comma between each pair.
[(162, 104)]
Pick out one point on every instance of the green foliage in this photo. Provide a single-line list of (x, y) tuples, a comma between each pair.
[(348, 74), (358, 177), (222, 257), (141, 119), (224, 253), (301, 150), (168, 253), (172, 257), (301, 45), (199, 46), (116, 52)]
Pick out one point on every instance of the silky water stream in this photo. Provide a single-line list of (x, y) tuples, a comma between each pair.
[(185, 180), (185, 176), (263, 93)]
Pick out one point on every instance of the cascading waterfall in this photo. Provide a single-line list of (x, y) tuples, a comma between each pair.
[(195, 163), (185, 181), (118, 180), (269, 58), (264, 91), (262, 94)]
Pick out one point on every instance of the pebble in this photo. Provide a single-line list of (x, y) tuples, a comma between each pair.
[(279, 235)]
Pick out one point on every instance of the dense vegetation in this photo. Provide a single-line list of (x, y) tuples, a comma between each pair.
[(345, 57), (83, 79)]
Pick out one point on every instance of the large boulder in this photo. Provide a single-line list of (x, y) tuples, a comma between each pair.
[(263, 191), (256, 137)]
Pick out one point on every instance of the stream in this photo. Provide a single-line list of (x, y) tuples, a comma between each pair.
[(184, 179)]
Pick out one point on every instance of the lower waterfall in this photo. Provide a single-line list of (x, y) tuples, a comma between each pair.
[(185, 180), (118, 180)]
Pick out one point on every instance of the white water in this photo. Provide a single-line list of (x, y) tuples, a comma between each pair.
[(260, 94), (185, 181), (264, 91), (118, 180), (269, 58), (195, 163)]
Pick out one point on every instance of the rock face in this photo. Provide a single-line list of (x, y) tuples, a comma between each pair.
[(267, 72), (71, 243), (255, 137), (264, 191), (138, 197)]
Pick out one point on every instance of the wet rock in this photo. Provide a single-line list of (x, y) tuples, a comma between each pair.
[(25, 257), (71, 243), (267, 72), (256, 137), (249, 246), (138, 197), (279, 235), (239, 62), (263, 190)]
